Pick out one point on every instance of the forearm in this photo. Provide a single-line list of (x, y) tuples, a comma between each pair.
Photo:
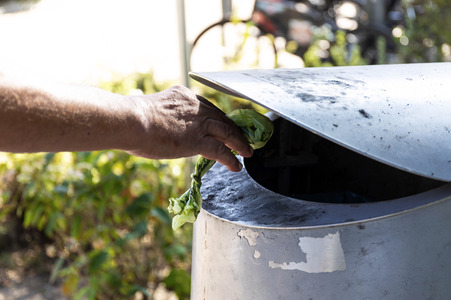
[(42, 117)]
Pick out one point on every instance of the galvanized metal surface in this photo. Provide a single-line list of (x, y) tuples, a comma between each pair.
[(401, 257), (396, 114), (237, 198), (250, 243)]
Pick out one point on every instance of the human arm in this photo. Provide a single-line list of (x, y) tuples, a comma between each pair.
[(39, 115)]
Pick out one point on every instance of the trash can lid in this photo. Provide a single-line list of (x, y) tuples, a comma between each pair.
[(399, 115)]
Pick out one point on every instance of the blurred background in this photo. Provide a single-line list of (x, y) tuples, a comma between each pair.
[(94, 225), (87, 41)]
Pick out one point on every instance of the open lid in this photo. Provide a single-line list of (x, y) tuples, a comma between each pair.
[(399, 115)]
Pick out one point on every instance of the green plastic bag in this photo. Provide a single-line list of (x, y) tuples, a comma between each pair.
[(257, 129)]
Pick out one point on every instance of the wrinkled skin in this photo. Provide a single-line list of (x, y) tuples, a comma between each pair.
[(41, 115), (189, 125), (256, 128)]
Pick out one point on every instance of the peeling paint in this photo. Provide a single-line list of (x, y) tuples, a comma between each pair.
[(257, 254), (323, 255), (249, 235)]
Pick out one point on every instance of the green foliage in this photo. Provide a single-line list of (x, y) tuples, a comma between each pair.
[(423, 36), (135, 83), (332, 50), (426, 34), (180, 282), (105, 214)]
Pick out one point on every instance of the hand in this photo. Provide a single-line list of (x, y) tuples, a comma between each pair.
[(178, 124)]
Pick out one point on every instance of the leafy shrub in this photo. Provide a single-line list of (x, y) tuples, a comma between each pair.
[(106, 215)]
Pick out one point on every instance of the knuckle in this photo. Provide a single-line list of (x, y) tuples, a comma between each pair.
[(177, 88), (181, 90)]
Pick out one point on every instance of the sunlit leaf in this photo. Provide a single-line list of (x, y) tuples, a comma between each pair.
[(70, 284)]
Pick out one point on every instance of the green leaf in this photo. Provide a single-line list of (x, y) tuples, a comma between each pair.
[(178, 281), (101, 208), (82, 292), (51, 223), (56, 269), (138, 231), (36, 214), (70, 285), (75, 227), (161, 214), (47, 160), (176, 250), (138, 288), (27, 218), (96, 261), (140, 207)]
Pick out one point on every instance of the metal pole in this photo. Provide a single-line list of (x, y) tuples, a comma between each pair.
[(184, 58), (376, 11), (226, 8)]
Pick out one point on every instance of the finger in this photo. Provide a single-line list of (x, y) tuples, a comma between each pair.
[(229, 134), (215, 150), (224, 129)]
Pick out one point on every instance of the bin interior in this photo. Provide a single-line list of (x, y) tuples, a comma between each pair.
[(302, 165)]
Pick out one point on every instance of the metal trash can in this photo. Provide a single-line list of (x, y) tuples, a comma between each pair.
[(351, 199)]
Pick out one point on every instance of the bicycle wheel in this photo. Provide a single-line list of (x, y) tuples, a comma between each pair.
[(232, 45)]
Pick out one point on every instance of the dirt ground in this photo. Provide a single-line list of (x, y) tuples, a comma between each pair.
[(37, 287), (25, 275), (31, 287)]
